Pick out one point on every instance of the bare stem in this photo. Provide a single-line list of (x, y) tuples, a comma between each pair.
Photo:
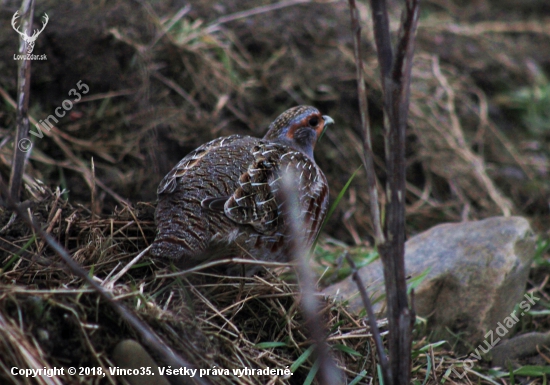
[(382, 358), (23, 95), (368, 155)]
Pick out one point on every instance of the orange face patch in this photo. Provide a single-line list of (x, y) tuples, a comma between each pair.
[(305, 123)]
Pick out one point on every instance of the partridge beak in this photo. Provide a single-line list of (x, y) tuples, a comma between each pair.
[(328, 120)]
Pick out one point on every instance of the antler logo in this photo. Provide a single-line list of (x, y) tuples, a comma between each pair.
[(29, 39)]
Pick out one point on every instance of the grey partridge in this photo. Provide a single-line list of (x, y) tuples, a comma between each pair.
[(222, 199)]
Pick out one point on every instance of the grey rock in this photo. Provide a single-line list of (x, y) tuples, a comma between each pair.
[(519, 347), (475, 274), (129, 354)]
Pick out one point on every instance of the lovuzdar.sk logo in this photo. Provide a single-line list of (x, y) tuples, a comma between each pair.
[(29, 39)]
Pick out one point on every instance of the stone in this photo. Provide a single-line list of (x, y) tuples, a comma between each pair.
[(130, 355), (520, 347), (475, 273)]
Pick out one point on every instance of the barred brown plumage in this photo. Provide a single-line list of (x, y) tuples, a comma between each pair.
[(221, 200)]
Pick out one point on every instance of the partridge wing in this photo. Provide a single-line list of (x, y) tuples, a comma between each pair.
[(254, 202), (313, 191), (192, 161)]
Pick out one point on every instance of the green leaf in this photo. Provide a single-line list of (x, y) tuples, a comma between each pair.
[(416, 281), (488, 379), (348, 350), (303, 357), (538, 312), (336, 326), (428, 369), (532, 371), (380, 376), (15, 256), (359, 377), (512, 378), (528, 371), (268, 345), (433, 345), (425, 348), (311, 375), (63, 184)]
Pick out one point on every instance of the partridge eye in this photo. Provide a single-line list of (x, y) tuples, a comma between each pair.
[(313, 122)]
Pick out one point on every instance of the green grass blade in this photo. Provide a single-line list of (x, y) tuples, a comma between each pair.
[(335, 204), (269, 345), (311, 375), (428, 369), (380, 376), (416, 281), (347, 349), (532, 371), (303, 357), (16, 255), (359, 377)]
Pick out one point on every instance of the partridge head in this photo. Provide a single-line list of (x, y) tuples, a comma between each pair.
[(299, 128), (222, 199)]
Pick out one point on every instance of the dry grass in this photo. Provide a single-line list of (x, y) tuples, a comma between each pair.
[(54, 320), (49, 318), (164, 80)]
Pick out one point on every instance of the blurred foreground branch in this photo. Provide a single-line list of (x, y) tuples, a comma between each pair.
[(329, 373)]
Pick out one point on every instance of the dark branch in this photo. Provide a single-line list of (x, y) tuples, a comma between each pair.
[(23, 95), (403, 63), (382, 37), (396, 76)]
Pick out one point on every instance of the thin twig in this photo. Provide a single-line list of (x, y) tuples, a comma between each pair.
[(382, 358), (177, 88), (218, 262), (165, 28), (368, 154), (93, 189), (109, 284), (23, 95), (252, 12)]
